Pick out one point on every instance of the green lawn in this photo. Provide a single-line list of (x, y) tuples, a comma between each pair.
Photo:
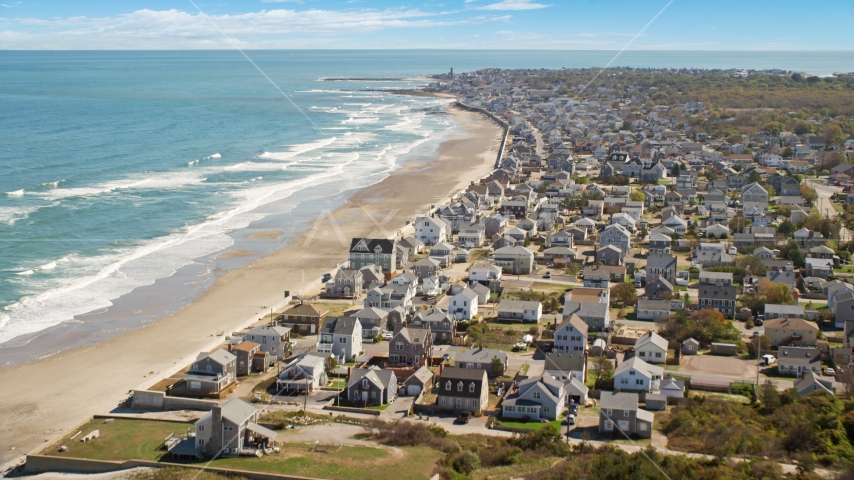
[(338, 384), (122, 440), (126, 439), (531, 425), (345, 403), (845, 269)]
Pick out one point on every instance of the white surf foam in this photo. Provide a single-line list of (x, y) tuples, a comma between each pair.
[(100, 279), (16, 193)]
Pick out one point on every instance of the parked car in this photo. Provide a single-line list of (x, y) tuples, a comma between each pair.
[(548, 274), (758, 322), (829, 372), (573, 408), (446, 356), (388, 335), (464, 417), (570, 420)]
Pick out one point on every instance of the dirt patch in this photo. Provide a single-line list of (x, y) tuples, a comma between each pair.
[(719, 365)]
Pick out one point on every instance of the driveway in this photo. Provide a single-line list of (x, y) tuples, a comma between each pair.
[(715, 365), (399, 408)]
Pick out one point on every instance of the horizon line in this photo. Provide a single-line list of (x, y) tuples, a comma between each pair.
[(428, 49)]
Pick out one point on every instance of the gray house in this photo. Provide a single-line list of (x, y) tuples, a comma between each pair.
[(595, 315), (535, 399), (411, 346), (515, 260), (482, 359), (620, 416), (617, 236), (371, 386), (211, 373), (660, 265), (609, 255), (229, 429), (341, 337), (272, 339), (463, 389), (382, 252)]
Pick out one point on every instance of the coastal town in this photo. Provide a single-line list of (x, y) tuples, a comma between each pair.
[(632, 275)]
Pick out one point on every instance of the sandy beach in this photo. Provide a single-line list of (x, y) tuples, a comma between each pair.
[(40, 400)]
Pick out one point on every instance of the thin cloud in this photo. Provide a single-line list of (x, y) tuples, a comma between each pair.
[(514, 5), (173, 29)]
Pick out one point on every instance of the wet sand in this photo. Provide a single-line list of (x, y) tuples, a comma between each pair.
[(43, 399)]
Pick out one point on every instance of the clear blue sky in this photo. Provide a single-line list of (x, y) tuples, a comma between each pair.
[(474, 24)]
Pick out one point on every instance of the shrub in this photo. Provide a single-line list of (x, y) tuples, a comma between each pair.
[(465, 462)]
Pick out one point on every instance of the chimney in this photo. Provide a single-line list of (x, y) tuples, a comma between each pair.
[(216, 441)]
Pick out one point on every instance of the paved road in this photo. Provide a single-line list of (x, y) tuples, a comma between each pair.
[(825, 206)]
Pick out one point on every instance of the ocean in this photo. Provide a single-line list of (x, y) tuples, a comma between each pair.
[(123, 175)]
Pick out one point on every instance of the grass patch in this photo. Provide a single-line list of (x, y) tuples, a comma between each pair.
[(531, 425), (346, 403), (122, 439), (349, 462)]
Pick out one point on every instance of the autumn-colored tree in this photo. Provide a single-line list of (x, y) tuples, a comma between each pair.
[(775, 293), (833, 135), (708, 315)]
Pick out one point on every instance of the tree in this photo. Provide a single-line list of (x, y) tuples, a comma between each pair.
[(833, 135), (764, 344), (774, 128), (752, 263), (627, 125), (626, 293), (754, 177), (794, 254), (788, 152), (497, 366), (637, 196), (603, 368), (331, 363), (676, 169), (769, 396), (809, 193), (786, 228), (768, 293), (737, 167)]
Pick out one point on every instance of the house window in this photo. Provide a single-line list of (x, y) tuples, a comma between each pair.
[(460, 387), (201, 428), (471, 388), (536, 394), (625, 413), (545, 408), (448, 385)]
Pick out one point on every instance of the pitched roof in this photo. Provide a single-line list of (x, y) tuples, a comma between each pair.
[(618, 401), (652, 338)]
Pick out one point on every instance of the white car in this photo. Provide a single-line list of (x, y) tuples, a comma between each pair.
[(388, 335)]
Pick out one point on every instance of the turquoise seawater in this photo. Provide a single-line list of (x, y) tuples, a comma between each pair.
[(120, 168)]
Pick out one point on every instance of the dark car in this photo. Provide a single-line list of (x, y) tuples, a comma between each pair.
[(758, 322), (464, 417)]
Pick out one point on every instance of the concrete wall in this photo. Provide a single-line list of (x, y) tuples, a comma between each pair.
[(497, 120), (150, 400), (43, 463)]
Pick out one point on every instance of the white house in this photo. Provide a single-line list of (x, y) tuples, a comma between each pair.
[(464, 304), (651, 348), (571, 335), (635, 374), (431, 230)]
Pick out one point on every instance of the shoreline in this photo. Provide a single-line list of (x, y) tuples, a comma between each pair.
[(94, 379)]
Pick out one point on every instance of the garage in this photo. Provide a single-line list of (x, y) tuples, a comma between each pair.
[(413, 390)]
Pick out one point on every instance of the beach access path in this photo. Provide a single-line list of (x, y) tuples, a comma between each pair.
[(43, 399)]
